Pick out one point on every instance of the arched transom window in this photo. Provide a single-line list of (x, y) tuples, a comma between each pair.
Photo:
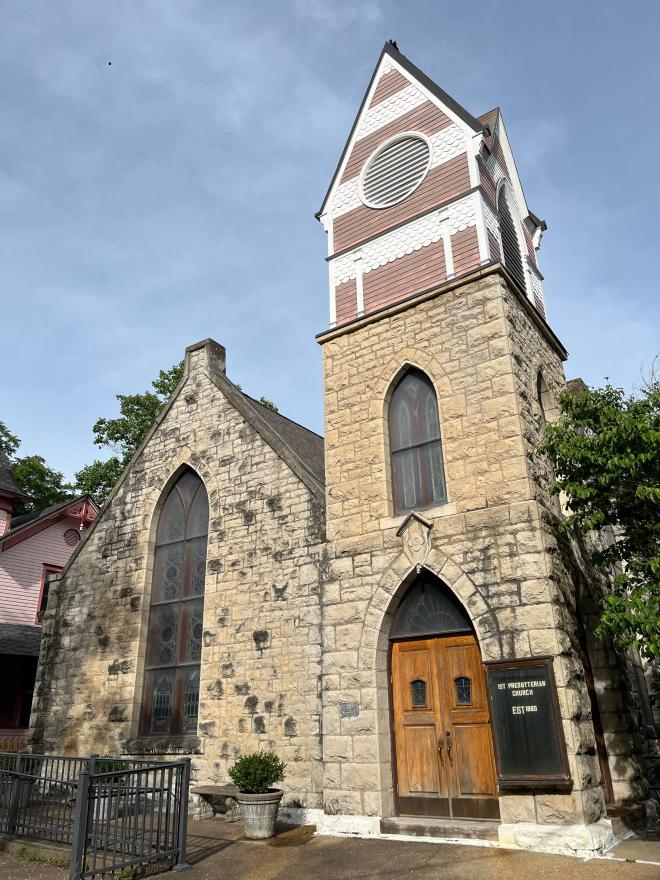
[(418, 478), (174, 642)]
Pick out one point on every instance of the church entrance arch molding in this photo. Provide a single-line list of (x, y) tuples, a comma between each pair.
[(471, 623)]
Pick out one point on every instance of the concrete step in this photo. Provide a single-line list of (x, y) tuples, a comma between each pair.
[(419, 826), (36, 850)]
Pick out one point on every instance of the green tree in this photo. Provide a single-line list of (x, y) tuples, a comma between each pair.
[(124, 434), (44, 485), (8, 442), (605, 451), (98, 478), (262, 400), (268, 403)]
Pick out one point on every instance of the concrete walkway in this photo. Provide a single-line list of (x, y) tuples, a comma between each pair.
[(219, 852)]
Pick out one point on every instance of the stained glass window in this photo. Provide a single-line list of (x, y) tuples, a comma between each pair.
[(174, 642), (191, 702), (463, 690), (429, 609), (418, 478), (418, 692)]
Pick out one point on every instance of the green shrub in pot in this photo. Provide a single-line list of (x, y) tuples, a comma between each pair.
[(256, 773), (254, 776)]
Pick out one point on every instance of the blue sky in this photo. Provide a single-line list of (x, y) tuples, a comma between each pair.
[(161, 163)]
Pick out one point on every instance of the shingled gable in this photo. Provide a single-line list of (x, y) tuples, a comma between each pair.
[(446, 102)]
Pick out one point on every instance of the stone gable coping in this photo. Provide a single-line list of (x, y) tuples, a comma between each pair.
[(270, 436), (214, 368)]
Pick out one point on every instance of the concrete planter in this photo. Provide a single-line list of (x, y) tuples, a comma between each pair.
[(260, 812)]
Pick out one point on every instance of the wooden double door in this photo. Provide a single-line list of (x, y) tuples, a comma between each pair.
[(445, 765)]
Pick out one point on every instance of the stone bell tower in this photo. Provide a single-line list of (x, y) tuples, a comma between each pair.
[(433, 276)]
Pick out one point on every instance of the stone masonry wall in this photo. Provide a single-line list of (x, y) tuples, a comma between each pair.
[(488, 543), (260, 666)]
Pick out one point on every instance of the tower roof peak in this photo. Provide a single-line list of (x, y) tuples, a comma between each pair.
[(391, 52)]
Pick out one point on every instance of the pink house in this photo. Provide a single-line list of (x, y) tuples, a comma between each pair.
[(33, 547)]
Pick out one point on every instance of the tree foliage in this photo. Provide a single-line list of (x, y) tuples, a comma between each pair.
[(44, 485), (124, 434), (98, 478), (605, 451), (8, 442), (121, 436)]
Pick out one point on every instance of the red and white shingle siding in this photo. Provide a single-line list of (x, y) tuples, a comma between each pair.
[(381, 256), (445, 228)]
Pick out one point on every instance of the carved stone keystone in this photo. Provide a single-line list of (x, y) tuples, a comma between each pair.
[(415, 532)]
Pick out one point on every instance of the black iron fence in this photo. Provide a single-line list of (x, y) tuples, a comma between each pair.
[(115, 814)]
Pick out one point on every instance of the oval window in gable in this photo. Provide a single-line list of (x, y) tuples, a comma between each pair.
[(395, 170)]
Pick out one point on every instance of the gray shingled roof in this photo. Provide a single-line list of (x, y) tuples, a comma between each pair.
[(8, 484), (305, 443), (18, 522), (20, 638)]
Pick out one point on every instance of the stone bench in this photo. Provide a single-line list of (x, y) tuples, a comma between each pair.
[(220, 799)]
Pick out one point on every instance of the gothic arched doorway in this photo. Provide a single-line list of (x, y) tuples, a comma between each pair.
[(444, 756)]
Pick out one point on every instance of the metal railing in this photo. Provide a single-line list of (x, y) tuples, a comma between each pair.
[(115, 813)]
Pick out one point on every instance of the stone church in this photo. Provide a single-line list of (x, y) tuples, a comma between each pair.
[(391, 608)]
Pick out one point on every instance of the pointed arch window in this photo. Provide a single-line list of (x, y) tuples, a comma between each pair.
[(418, 474), (545, 400), (512, 255), (174, 642)]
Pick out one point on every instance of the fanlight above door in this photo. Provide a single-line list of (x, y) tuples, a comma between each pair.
[(429, 609)]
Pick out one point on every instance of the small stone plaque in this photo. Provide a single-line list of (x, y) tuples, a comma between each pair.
[(349, 710)]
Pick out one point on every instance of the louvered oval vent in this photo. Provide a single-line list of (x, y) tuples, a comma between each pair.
[(510, 246), (395, 171)]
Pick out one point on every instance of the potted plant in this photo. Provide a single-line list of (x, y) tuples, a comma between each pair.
[(109, 788), (254, 775)]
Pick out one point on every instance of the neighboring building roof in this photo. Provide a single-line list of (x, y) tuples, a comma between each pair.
[(576, 386), (307, 444), (18, 521), (8, 485), (20, 638), (22, 527)]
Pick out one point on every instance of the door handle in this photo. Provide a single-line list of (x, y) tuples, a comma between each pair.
[(448, 735), (440, 745)]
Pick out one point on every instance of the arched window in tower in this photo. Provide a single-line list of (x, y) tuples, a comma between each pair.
[(174, 642), (418, 477), (512, 257), (545, 400)]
